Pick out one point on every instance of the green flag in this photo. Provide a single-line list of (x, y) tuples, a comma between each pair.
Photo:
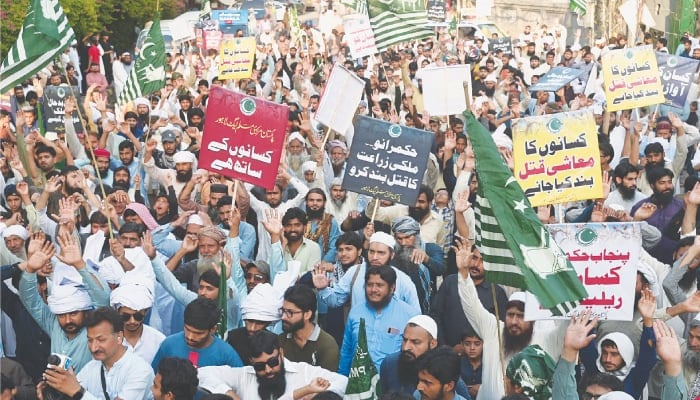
[(578, 6), (205, 12), (517, 249), (294, 27), (397, 21), (358, 6), (44, 35), (363, 382), (148, 73)]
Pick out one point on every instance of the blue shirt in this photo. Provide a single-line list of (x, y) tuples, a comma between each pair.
[(217, 353), (384, 331), (333, 234), (339, 294)]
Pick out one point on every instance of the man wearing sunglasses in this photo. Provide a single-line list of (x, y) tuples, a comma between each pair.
[(270, 375), (132, 299)]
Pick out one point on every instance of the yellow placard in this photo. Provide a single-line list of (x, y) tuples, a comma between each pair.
[(631, 78), (556, 157), (236, 58)]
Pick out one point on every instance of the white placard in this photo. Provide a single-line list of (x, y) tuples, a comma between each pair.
[(443, 89), (605, 256), (359, 35), (340, 99)]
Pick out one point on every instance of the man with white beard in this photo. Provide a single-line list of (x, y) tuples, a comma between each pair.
[(297, 154), (210, 243), (334, 167), (341, 201), (14, 237)]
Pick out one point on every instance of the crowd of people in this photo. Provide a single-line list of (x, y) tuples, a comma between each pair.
[(120, 256)]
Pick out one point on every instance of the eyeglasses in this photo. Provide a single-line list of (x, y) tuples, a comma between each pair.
[(272, 362), (255, 277), (289, 313), (138, 317), (589, 396)]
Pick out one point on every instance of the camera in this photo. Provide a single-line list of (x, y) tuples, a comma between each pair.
[(62, 361)]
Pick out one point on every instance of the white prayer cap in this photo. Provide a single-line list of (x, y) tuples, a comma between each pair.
[(308, 166), (51, 136), (135, 291), (426, 323), (15, 230), (184, 157), (650, 276), (141, 101), (383, 238), (517, 296), (297, 136), (262, 304), (195, 219)]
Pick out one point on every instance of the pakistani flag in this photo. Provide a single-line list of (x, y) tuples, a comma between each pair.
[(205, 12), (397, 21), (578, 6), (363, 382), (517, 249), (148, 73), (359, 6), (44, 35)]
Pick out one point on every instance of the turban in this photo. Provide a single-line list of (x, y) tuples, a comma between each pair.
[(184, 157), (262, 304), (141, 101), (101, 153), (195, 220), (144, 214), (626, 349), (261, 265), (68, 293), (308, 166), (649, 275), (212, 232), (337, 143), (406, 225), (501, 139), (383, 238), (532, 369), (15, 230), (336, 182), (112, 271), (135, 291)]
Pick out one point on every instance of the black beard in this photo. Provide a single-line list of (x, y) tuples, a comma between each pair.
[(183, 176), (73, 190), (417, 213), (379, 305), (272, 388), (514, 344), (126, 63), (627, 193), (407, 369), (293, 327), (663, 198), (315, 214)]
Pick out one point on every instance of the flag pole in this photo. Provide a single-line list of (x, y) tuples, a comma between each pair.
[(374, 212), (498, 332), (235, 191), (91, 151)]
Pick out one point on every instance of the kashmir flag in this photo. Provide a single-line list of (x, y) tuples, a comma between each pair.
[(358, 6), (397, 21), (205, 12), (517, 249), (44, 35), (148, 73), (578, 6), (363, 381)]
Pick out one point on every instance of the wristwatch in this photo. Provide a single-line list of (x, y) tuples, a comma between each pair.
[(79, 395)]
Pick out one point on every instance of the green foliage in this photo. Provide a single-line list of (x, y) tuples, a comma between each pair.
[(119, 17)]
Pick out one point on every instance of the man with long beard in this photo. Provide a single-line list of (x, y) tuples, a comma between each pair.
[(209, 243), (659, 211), (341, 201), (297, 154), (626, 193), (421, 261), (334, 167), (321, 227), (432, 229), (270, 375), (120, 70)]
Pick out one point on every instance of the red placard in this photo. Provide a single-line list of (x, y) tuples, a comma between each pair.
[(243, 137)]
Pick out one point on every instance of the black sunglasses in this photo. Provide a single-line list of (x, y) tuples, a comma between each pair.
[(138, 317), (271, 362)]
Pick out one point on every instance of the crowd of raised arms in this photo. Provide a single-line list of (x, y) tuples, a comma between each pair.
[(118, 252)]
